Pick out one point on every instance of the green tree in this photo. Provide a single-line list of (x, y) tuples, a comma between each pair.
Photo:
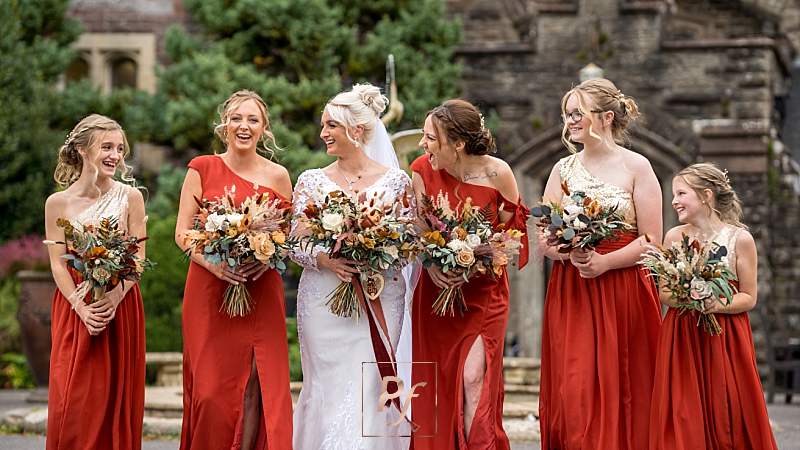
[(162, 288), (297, 54), (34, 51)]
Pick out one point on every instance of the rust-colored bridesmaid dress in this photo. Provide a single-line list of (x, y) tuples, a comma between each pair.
[(218, 351), (599, 339), (707, 392), (447, 340), (96, 392)]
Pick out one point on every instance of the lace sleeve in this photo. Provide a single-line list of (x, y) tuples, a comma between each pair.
[(399, 184), (304, 192)]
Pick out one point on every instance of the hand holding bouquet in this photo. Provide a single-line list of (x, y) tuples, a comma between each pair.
[(254, 231), (103, 255), (693, 273), (378, 235), (581, 223), (462, 242)]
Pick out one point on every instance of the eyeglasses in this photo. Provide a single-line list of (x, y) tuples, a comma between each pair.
[(576, 116)]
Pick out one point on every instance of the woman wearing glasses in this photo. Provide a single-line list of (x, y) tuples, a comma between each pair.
[(602, 313)]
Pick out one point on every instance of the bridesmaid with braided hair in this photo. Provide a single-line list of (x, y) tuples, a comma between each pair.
[(96, 392), (467, 410), (707, 391), (601, 312)]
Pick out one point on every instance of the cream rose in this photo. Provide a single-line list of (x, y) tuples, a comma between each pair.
[(473, 241), (392, 251), (572, 211), (700, 289), (332, 222), (214, 221), (262, 246), (465, 257)]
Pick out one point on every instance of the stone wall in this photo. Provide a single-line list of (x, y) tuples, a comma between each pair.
[(130, 16), (710, 76)]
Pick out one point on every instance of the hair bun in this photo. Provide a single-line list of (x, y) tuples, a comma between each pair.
[(372, 97)]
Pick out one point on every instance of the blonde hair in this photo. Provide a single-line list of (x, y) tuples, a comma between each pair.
[(83, 135), (267, 143), (362, 105), (725, 202), (606, 97)]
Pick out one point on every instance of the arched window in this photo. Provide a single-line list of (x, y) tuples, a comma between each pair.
[(123, 72), (78, 70)]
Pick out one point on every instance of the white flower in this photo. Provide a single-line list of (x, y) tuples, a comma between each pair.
[(473, 240), (332, 222), (457, 245), (214, 221), (578, 225), (234, 219), (572, 211), (392, 251), (700, 289)]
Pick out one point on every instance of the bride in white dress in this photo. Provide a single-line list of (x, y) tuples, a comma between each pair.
[(338, 405)]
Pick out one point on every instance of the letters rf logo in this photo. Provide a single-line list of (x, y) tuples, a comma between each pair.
[(388, 401)]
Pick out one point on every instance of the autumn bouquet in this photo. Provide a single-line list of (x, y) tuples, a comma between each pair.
[(103, 254), (378, 234), (693, 273), (462, 241), (255, 230), (580, 222)]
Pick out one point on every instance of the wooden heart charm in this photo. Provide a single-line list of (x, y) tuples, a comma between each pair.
[(373, 285)]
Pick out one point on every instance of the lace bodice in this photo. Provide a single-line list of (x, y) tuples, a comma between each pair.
[(329, 414), (313, 185), (113, 203), (578, 178)]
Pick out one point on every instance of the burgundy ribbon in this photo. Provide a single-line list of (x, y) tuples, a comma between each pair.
[(385, 361)]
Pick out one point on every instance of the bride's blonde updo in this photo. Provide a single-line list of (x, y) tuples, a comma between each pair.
[(84, 135), (362, 105)]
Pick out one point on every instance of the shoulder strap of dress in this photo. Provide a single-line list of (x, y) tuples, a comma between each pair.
[(567, 166), (201, 163), (422, 166)]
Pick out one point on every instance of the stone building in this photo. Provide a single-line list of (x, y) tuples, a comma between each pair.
[(713, 79), (122, 41)]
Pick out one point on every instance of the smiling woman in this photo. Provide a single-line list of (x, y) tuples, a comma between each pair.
[(601, 315), (103, 340), (236, 370)]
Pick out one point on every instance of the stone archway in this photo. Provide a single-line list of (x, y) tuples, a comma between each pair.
[(532, 164)]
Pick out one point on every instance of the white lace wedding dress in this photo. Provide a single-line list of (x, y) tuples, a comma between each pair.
[(337, 386)]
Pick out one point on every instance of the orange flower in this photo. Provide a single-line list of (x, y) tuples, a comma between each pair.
[(311, 210), (565, 188), (97, 252), (434, 237), (593, 208)]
